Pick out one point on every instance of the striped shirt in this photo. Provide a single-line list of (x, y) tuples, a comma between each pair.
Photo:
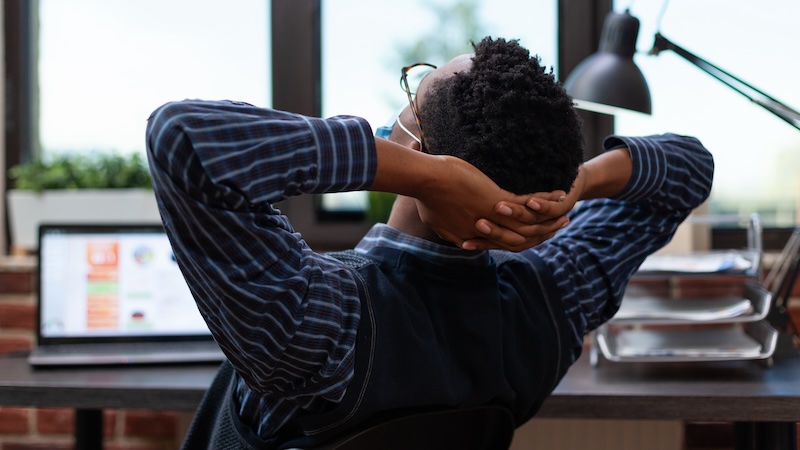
[(286, 316)]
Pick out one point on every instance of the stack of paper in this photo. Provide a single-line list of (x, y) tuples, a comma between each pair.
[(687, 343), (713, 262), (700, 310)]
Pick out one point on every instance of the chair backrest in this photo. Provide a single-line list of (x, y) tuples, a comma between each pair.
[(479, 428)]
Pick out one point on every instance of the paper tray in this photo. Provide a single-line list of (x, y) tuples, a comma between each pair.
[(719, 262), (755, 340), (752, 306)]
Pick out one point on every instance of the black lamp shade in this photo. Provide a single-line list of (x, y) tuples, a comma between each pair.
[(609, 77)]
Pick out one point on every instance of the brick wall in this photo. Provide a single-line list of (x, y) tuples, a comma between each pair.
[(23, 428)]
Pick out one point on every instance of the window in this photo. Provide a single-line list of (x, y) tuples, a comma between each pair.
[(757, 155), (105, 66), (365, 43), (171, 45)]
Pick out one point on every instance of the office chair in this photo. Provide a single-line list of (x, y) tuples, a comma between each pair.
[(477, 428)]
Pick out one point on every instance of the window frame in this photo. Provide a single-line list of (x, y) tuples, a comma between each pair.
[(20, 39), (296, 74)]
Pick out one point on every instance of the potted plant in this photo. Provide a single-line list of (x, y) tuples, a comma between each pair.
[(75, 188)]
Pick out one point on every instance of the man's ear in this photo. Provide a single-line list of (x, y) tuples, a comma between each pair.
[(399, 136)]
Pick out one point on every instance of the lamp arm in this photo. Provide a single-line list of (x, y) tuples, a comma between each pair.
[(791, 116)]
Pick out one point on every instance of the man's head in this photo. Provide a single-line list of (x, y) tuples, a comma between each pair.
[(502, 112)]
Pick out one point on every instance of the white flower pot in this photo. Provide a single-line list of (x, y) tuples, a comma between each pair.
[(29, 209)]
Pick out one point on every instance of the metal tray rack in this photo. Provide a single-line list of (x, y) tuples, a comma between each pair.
[(723, 319)]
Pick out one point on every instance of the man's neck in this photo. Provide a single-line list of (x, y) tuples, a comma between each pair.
[(405, 218)]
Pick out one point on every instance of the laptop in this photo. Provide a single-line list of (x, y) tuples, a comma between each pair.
[(113, 294)]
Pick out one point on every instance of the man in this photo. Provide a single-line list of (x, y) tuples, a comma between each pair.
[(420, 315)]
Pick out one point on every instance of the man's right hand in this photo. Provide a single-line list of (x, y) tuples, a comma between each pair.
[(532, 220)]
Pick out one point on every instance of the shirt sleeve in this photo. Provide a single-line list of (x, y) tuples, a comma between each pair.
[(285, 316), (607, 239)]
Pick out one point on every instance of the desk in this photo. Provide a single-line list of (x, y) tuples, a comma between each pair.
[(764, 403), (90, 390)]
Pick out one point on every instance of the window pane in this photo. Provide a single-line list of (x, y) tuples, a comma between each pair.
[(365, 43), (757, 154), (106, 65)]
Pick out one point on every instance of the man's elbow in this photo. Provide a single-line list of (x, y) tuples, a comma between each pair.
[(699, 164), (705, 174), (162, 127), (166, 137)]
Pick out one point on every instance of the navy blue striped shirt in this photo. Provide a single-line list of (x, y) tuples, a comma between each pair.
[(287, 316)]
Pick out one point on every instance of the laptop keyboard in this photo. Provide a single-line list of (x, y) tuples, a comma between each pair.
[(126, 353), (130, 348)]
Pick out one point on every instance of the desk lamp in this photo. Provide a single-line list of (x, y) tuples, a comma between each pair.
[(791, 116), (609, 77)]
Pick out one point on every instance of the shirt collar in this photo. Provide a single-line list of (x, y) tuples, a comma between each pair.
[(382, 235)]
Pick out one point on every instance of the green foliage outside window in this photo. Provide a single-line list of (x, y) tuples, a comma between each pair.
[(76, 171)]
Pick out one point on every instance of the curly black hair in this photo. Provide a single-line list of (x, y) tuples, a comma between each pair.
[(508, 117)]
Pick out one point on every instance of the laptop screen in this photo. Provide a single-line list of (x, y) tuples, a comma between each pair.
[(114, 283)]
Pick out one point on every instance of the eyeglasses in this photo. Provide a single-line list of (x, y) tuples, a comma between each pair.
[(410, 79)]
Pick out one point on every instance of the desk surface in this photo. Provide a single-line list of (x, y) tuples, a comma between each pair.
[(723, 391), (730, 391), (137, 387)]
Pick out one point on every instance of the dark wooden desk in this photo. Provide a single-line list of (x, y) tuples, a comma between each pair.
[(90, 390), (763, 402)]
